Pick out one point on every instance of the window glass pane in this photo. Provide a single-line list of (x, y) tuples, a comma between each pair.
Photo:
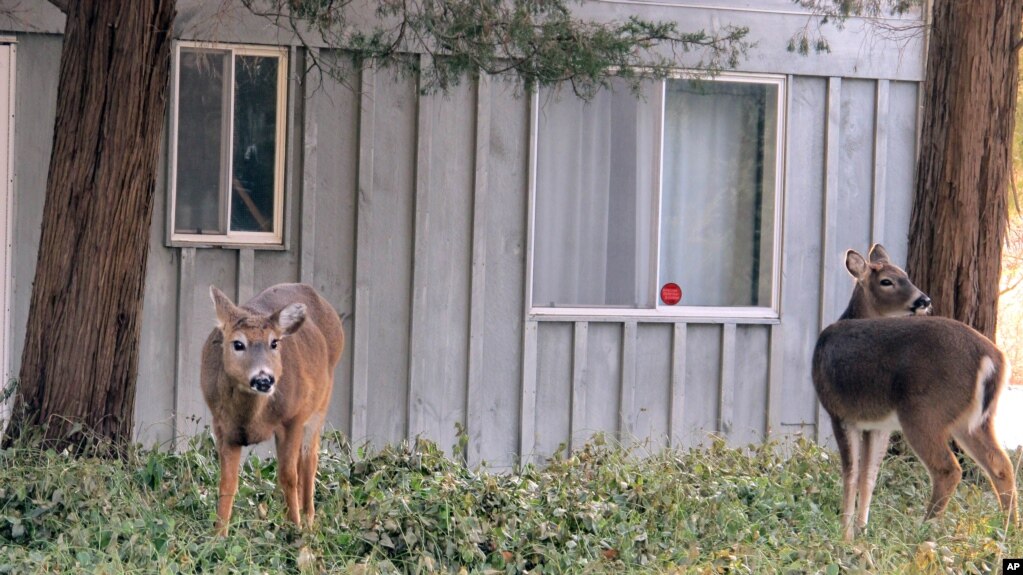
[(595, 199), (718, 191), (254, 144), (199, 174)]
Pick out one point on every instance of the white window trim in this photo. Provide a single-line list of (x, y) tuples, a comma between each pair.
[(750, 314), (7, 189), (265, 240)]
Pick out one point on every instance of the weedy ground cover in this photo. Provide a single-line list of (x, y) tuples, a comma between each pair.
[(410, 509)]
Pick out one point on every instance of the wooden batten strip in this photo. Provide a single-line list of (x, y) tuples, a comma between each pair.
[(360, 345), (678, 385), (310, 181), (880, 192), (580, 353), (726, 408), (291, 160), (527, 419), (185, 385), (417, 418), (246, 274), (477, 306), (832, 159), (627, 397), (775, 380)]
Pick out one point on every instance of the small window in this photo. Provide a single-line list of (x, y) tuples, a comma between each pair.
[(661, 202), (227, 160)]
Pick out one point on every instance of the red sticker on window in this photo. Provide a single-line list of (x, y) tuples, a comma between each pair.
[(671, 294)]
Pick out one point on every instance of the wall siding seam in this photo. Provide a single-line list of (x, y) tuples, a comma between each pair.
[(186, 305), (831, 160), (415, 417), (580, 353), (527, 430), (477, 304), (360, 344), (627, 397), (880, 192), (310, 175), (678, 385), (726, 408)]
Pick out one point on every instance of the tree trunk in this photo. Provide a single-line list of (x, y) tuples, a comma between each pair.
[(80, 358), (959, 209)]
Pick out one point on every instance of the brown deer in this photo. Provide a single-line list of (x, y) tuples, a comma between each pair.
[(932, 377), (268, 369)]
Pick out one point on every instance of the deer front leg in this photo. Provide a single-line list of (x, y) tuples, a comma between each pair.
[(849, 447), (289, 442), (230, 456)]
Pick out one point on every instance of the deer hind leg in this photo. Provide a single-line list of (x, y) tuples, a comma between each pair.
[(983, 447), (307, 463), (875, 445), (849, 448), (930, 443), (289, 441)]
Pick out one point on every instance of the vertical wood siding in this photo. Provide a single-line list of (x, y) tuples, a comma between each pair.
[(409, 213)]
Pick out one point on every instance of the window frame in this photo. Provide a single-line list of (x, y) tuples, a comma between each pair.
[(680, 312), (275, 239)]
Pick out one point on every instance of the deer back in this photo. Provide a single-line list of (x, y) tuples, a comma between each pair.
[(863, 369)]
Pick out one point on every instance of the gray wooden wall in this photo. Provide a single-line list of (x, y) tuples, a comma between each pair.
[(409, 212)]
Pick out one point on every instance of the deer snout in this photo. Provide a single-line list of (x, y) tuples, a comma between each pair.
[(922, 305), (262, 382)]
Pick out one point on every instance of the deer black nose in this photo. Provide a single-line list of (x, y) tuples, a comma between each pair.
[(262, 382), (922, 304)]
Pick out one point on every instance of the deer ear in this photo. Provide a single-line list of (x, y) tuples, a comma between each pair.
[(227, 312), (879, 255), (290, 318), (855, 263)]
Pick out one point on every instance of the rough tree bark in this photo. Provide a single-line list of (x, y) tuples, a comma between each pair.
[(81, 347), (959, 210)]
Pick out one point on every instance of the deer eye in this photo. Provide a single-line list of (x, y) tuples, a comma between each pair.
[(238, 345), (887, 282), (273, 343)]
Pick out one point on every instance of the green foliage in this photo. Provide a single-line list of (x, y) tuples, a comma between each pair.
[(541, 42), (767, 509)]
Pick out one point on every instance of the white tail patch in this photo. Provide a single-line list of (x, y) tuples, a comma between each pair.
[(977, 414)]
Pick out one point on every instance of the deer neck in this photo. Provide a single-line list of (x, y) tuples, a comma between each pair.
[(858, 307), (245, 407)]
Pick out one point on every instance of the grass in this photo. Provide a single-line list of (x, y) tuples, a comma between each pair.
[(767, 509)]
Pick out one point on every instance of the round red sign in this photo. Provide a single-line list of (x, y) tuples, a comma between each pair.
[(671, 294)]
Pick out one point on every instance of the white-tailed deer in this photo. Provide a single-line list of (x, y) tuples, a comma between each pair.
[(268, 369), (934, 378)]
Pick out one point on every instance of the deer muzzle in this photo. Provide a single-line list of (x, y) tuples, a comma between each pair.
[(922, 305), (262, 382)]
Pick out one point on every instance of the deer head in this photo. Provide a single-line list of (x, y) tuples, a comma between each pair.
[(882, 288), (251, 348)]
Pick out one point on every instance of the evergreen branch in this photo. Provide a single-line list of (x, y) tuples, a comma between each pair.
[(541, 42), (836, 12)]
